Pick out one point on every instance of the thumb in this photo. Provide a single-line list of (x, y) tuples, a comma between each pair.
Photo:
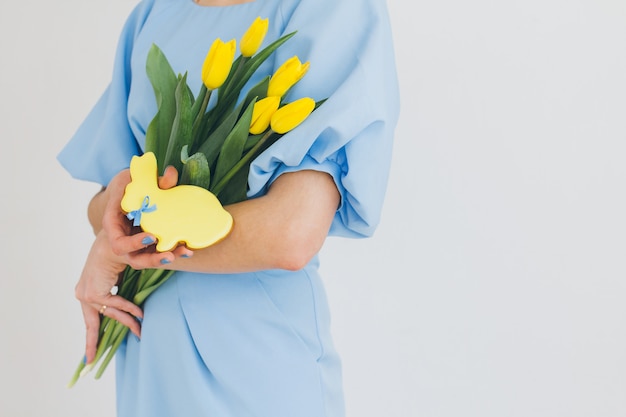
[(169, 178)]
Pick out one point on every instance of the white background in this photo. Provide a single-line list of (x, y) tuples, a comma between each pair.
[(495, 284)]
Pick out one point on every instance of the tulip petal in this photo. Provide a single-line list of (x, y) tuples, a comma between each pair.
[(291, 115), (218, 63), (262, 114), (286, 76), (253, 38)]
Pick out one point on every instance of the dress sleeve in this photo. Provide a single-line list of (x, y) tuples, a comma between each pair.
[(350, 49), (104, 143)]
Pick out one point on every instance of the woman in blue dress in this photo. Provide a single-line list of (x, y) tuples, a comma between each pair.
[(242, 328)]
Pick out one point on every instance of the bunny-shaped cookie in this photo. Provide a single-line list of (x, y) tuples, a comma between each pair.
[(183, 214)]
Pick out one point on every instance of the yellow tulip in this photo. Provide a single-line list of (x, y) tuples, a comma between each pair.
[(218, 62), (286, 76), (291, 115), (262, 113), (253, 38)]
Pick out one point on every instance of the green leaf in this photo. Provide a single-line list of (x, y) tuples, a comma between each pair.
[(273, 137), (258, 92), (233, 146), (197, 105), (195, 169), (198, 111), (252, 140), (212, 145), (181, 126), (164, 82), (237, 187), (190, 93), (244, 162), (235, 69)]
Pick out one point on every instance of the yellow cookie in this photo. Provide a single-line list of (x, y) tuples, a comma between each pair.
[(183, 214)]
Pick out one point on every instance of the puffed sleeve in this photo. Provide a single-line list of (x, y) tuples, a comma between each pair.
[(104, 143), (350, 49)]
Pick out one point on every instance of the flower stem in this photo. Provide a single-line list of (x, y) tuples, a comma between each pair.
[(148, 277), (150, 286), (226, 87), (197, 124), (119, 338), (77, 373), (243, 161)]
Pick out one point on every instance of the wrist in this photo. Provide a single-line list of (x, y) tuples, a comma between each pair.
[(105, 249)]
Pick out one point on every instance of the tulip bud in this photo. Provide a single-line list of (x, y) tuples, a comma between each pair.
[(286, 76), (291, 115), (253, 38), (218, 62), (262, 113)]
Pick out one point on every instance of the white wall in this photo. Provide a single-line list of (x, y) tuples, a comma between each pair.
[(495, 284)]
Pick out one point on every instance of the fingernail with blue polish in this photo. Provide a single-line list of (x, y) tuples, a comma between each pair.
[(84, 359), (165, 261), (185, 255), (147, 240), (139, 319)]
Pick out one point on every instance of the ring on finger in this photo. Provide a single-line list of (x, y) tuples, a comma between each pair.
[(102, 309)]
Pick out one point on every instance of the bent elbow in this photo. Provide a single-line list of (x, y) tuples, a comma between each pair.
[(298, 250), (294, 263)]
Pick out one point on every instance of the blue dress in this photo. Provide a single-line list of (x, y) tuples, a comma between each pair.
[(254, 344)]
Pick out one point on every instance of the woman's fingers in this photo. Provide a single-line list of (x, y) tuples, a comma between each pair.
[(115, 223), (123, 317), (92, 324), (149, 259), (122, 305), (115, 307), (182, 252), (122, 244), (169, 178)]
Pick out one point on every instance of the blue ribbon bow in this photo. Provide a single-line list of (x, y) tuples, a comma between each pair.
[(135, 215)]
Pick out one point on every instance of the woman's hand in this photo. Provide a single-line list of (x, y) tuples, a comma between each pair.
[(100, 274), (134, 245), (117, 244)]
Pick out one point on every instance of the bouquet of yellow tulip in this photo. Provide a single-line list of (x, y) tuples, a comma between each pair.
[(212, 146)]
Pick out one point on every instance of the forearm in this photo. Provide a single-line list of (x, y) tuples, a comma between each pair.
[(98, 204), (95, 210), (283, 229)]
